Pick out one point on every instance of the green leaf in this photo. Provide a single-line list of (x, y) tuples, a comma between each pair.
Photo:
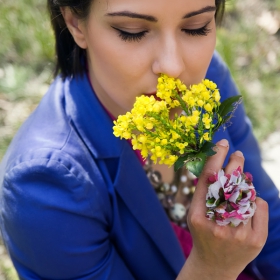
[(180, 162), (225, 120), (207, 148), (211, 200), (196, 163), (228, 105)]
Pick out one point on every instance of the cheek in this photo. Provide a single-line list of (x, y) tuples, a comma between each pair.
[(118, 69), (105, 58), (112, 75), (207, 51), (209, 46), (200, 58)]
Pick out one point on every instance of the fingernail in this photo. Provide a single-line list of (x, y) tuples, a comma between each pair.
[(239, 154), (223, 143)]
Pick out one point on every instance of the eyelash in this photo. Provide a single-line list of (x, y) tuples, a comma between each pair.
[(136, 37), (203, 31), (131, 37)]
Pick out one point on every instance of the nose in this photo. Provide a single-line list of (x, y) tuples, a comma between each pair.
[(168, 59)]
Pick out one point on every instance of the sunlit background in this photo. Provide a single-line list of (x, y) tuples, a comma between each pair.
[(249, 41)]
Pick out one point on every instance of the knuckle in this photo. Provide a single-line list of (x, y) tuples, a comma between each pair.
[(259, 245), (219, 232), (206, 173), (262, 204), (195, 221), (257, 242), (241, 236)]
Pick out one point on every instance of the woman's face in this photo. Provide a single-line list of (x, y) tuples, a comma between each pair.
[(130, 42)]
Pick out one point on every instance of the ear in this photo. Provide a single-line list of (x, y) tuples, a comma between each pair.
[(72, 23)]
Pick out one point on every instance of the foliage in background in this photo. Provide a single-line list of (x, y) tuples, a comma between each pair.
[(26, 38), (26, 61), (249, 42)]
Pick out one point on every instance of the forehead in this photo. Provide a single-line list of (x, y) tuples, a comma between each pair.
[(155, 7)]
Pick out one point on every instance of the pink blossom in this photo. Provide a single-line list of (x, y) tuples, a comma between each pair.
[(213, 178), (195, 181), (253, 196), (237, 172), (248, 178), (230, 198), (234, 206), (233, 214)]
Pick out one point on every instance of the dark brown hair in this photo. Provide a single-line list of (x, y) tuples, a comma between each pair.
[(69, 56)]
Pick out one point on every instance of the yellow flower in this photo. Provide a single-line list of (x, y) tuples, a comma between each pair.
[(217, 95), (170, 160), (209, 84), (208, 107), (142, 138), (117, 132), (149, 126), (181, 147), (191, 102), (195, 117), (144, 152), (175, 103), (126, 135), (181, 87), (159, 106), (151, 130), (195, 113), (200, 102), (205, 95), (205, 137), (158, 151), (207, 121), (174, 135)]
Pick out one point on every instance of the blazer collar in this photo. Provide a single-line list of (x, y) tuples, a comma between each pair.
[(90, 118)]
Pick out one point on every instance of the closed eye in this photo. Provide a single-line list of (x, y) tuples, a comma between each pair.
[(203, 31), (130, 37)]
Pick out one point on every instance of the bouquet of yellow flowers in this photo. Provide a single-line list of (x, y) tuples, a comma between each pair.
[(183, 139)]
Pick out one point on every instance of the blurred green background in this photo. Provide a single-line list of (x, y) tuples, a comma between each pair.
[(249, 41)]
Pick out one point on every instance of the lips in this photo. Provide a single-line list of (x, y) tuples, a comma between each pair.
[(154, 94)]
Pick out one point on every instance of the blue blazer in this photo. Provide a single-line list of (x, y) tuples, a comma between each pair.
[(76, 203)]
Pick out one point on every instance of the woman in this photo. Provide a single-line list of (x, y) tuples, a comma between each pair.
[(77, 203)]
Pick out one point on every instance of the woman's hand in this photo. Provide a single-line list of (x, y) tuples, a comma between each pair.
[(222, 252)]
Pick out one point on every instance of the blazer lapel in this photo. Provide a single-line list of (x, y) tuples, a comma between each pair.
[(139, 196)]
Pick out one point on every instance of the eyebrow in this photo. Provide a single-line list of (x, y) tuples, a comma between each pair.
[(132, 15), (201, 11), (154, 19)]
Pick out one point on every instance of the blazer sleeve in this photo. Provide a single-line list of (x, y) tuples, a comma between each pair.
[(241, 138), (55, 225)]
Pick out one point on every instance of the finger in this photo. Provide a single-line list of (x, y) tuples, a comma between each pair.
[(236, 159), (212, 166), (260, 218), (215, 162)]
